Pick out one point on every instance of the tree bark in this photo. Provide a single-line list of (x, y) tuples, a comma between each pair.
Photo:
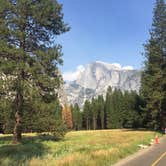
[(102, 122), (17, 133), (86, 123), (17, 137), (94, 123)]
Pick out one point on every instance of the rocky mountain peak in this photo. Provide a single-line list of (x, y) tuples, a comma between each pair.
[(95, 79)]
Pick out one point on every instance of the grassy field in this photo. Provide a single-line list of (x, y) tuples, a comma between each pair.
[(82, 148)]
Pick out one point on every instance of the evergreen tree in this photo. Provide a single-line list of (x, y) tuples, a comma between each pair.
[(77, 117), (153, 77), (101, 112), (116, 109), (6, 116), (131, 110), (28, 53), (42, 117), (94, 106), (87, 115), (108, 107)]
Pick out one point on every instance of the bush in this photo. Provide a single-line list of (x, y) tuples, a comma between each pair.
[(56, 133), (60, 130)]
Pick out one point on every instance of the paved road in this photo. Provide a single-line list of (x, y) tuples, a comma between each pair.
[(152, 156)]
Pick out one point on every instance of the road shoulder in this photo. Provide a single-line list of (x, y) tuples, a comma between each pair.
[(145, 156)]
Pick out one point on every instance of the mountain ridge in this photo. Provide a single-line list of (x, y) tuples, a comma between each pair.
[(95, 79)]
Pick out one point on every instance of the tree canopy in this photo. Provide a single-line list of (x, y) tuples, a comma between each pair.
[(154, 76), (29, 55)]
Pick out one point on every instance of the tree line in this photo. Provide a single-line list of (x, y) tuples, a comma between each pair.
[(30, 79), (118, 110)]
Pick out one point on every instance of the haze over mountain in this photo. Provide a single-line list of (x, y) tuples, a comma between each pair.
[(93, 79)]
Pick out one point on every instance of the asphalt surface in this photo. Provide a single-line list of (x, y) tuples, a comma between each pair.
[(154, 155)]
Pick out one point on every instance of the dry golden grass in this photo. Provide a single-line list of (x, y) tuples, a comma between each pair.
[(83, 148)]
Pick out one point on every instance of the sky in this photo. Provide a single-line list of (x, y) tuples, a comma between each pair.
[(111, 31)]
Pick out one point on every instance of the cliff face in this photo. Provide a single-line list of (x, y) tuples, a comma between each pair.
[(96, 78)]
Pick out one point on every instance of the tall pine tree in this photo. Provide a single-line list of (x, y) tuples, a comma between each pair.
[(77, 117), (154, 76), (108, 108), (28, 54), (101, 112), (87, 115)]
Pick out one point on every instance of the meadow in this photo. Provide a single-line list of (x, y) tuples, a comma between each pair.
[(78, 148)]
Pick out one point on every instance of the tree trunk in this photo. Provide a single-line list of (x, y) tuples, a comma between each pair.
[(17, 129), (102, 123), (87, 126), (17, 137), (94, 123)]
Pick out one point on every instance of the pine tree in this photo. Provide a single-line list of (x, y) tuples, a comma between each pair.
[(6, 116), (40, 117), (94, 106), (108, 107), (131, 110), (77, 117), (116, 109), (101, 112), (87, 115), (153, 77), (28, 52)]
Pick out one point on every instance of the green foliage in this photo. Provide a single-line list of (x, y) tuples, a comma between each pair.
[(6, 116), (29, 59), (108, 106), (153, 77), (56, 133), (87, 115), (77, 117), (132, 110), (94, 109), (118, 110), (101, 112), (41, 117), (59, 131)]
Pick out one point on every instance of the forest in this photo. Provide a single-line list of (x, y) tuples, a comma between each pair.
[(30, 77)]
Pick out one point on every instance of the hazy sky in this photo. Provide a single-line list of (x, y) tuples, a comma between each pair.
[(112, 31)]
